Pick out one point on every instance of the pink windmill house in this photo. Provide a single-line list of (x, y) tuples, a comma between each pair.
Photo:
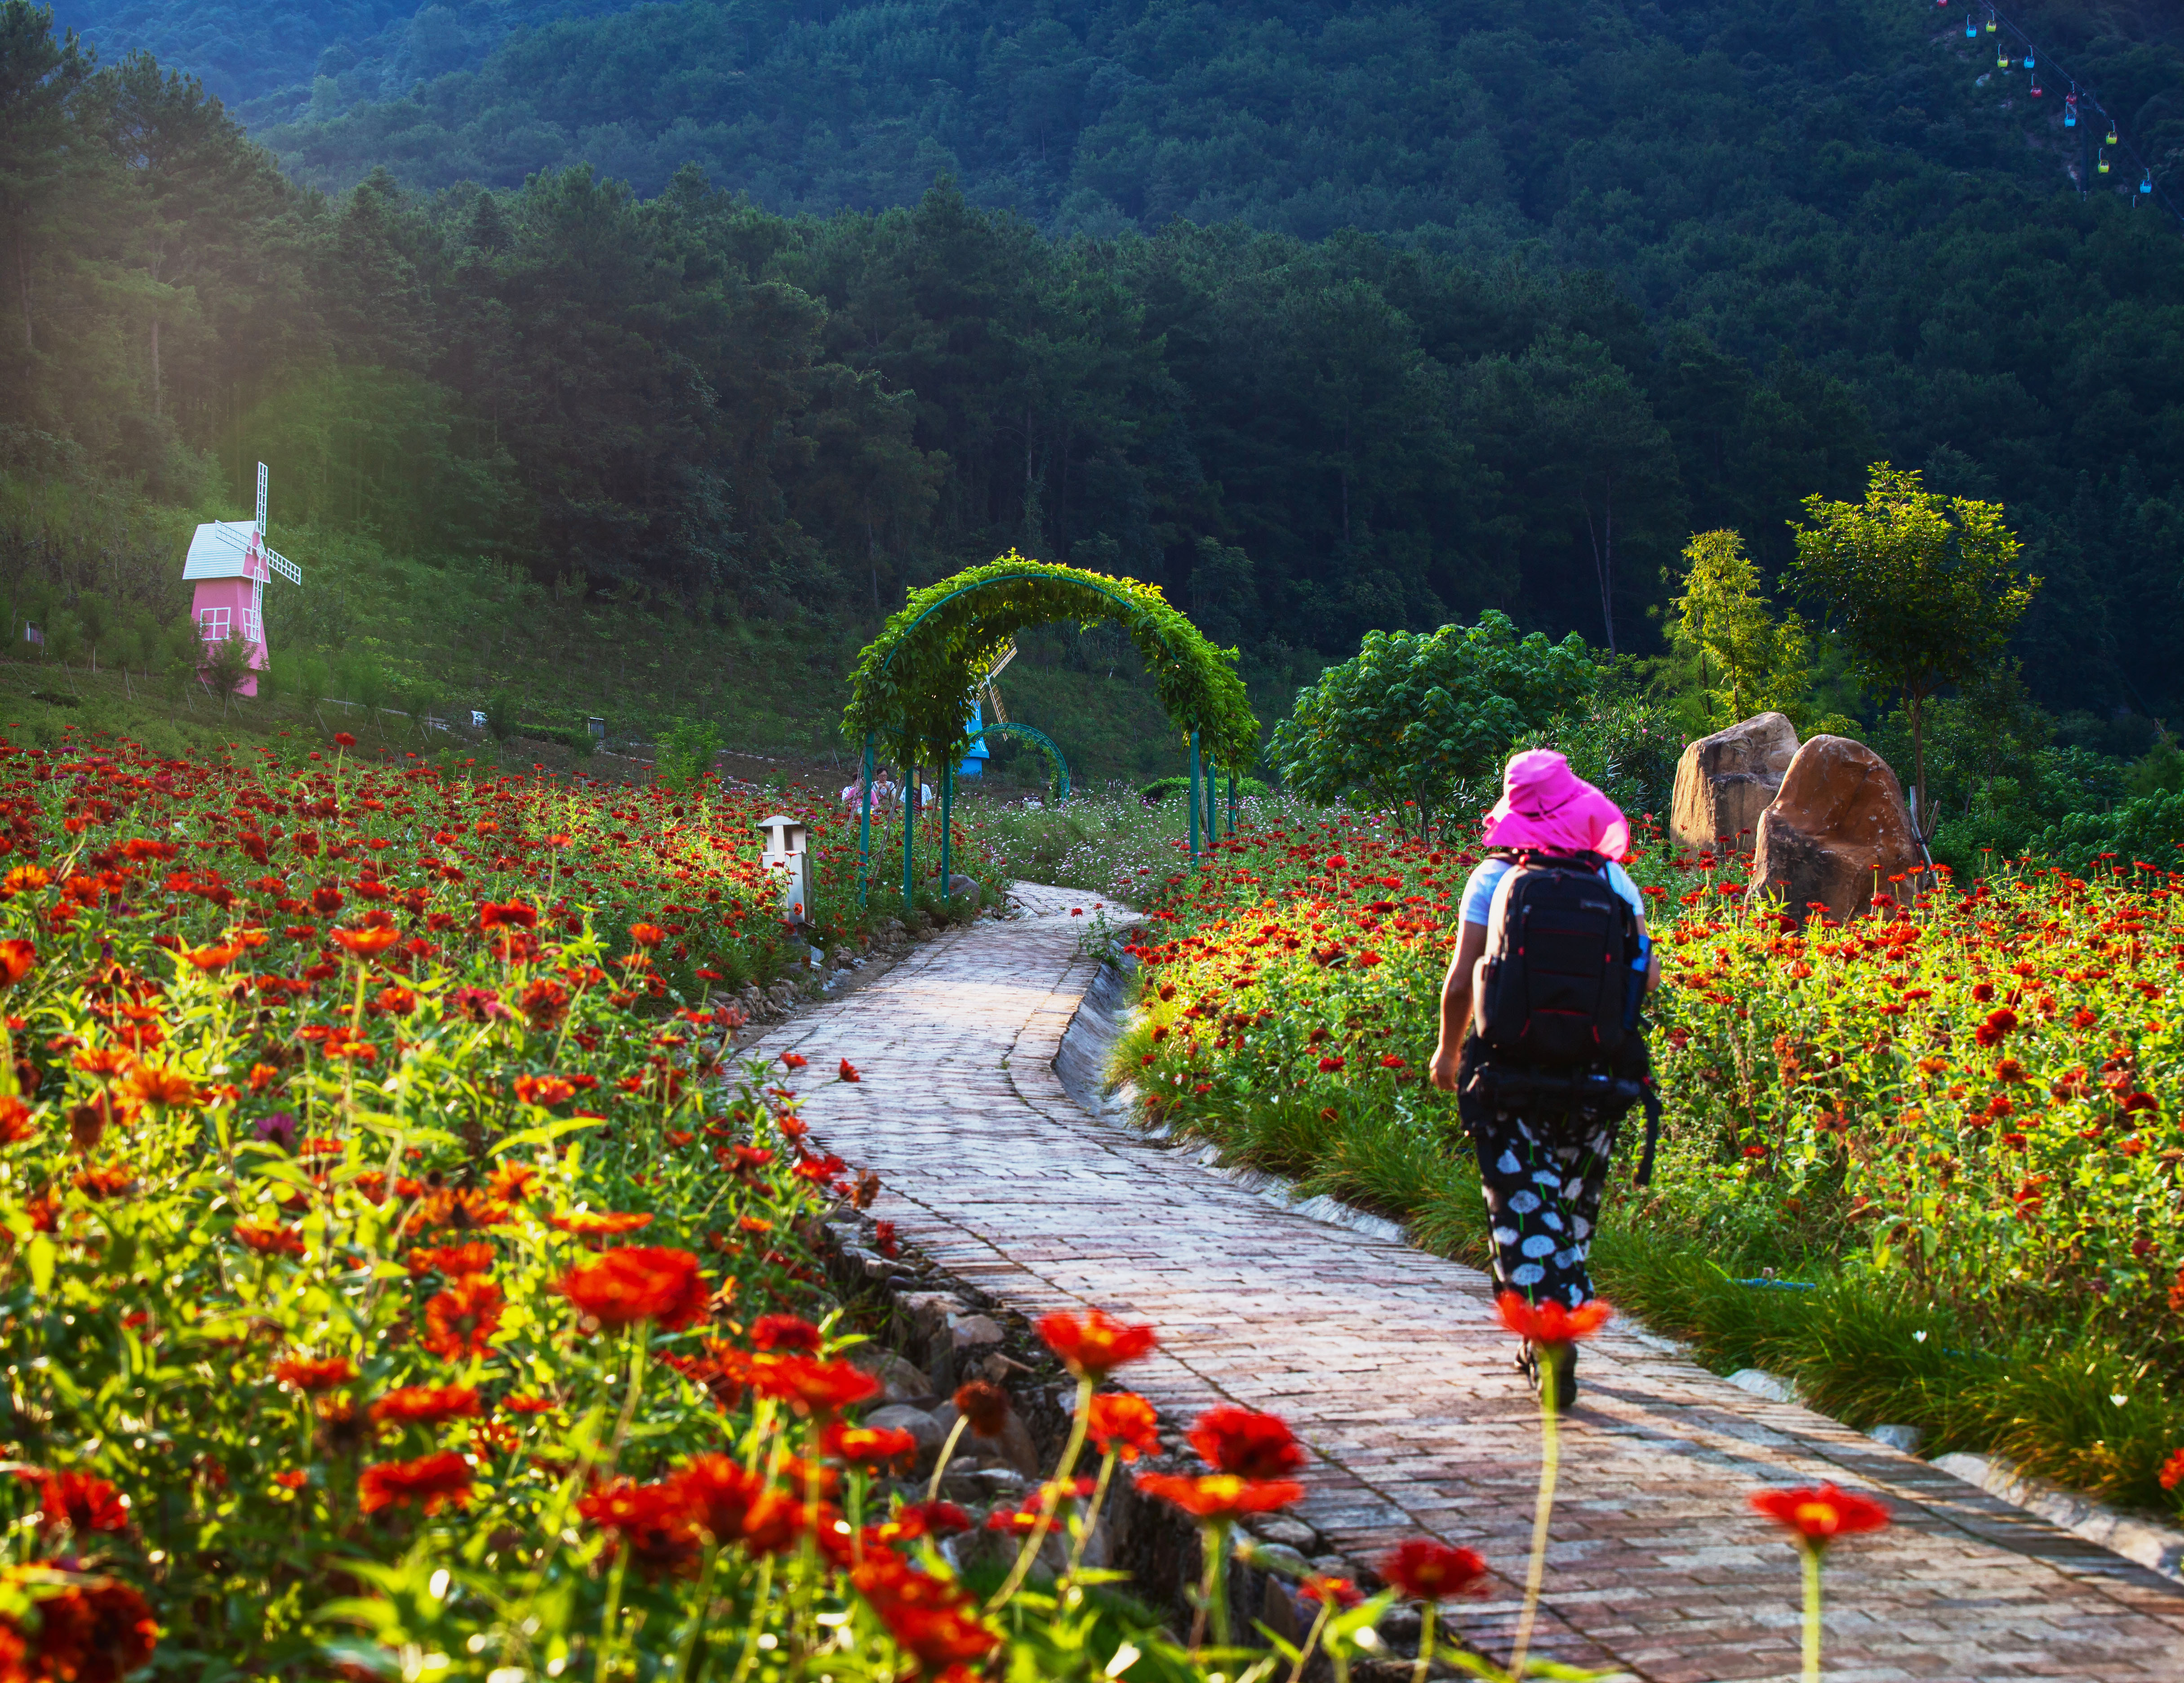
[(230, 564)]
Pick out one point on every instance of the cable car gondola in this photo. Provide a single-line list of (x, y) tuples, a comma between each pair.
[(2104, 163), (2069, 110), (2147, 186)]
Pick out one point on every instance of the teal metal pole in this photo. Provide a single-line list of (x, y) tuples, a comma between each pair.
[(909, 818), (865, 829), (947, 838), (1232, 803), (1212, 829), (1193, 800)]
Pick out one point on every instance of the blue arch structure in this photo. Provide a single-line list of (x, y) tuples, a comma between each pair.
[(1045, 741)]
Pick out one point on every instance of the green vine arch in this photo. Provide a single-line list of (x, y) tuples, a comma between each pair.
[(1045, 745), (909, 691)]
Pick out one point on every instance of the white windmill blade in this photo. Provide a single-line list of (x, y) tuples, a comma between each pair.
[(281, 565), (1001, 660)]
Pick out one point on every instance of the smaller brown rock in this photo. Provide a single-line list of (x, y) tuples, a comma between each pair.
[(1725, 781), (1839, 827)]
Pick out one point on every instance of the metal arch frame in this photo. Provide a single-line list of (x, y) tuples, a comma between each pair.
[(948, 772), (1053, 749)]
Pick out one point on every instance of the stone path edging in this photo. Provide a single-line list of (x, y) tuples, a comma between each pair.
[(1387, 1362)]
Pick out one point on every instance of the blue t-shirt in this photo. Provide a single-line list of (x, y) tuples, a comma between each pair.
[(1486, 876)]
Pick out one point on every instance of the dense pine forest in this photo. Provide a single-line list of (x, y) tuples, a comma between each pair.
[(1325, 317)]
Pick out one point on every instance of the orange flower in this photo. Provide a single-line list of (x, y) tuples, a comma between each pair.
[(1249, 1445), (985, 1406), (453, 1261), (647, 934), (431, 1481), (810, 1386), (17, 956), (82, 1501), (1096, 1344), (368, 942), (312, 1374), (1219, 1496), (600, 1224), (461, 1321), (209, 959), (15, 1124), (166, 1088), (651, 1521), (1548, 1323), (929, 1619), (867, 1445), (425, 1405), (2172, 1470), (1123, 1424), (1424, 1570), (639, 1283), (270, 1238), (512, 1181), (543, 1089), (1816, 1516)]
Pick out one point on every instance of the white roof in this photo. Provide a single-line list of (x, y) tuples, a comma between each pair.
[(217, 551)]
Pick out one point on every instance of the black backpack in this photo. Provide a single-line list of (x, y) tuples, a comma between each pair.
[(1559, 986)]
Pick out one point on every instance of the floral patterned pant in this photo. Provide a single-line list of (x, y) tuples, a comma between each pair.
[(1543, 1179)]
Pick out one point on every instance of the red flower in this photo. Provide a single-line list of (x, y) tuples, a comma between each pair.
[(507, 915), (543, 1089), (786, 1332), (793, 1060), (722, 1500), (82, 1501), (94, 1632), (1548, 1322), (653, 1522), (936, 1519), (270, 1238), (813, 1387), (849, 1071), (985, 1406), (343, 739), (1329, 1065), (1424, 1570), (2172, 1471), (16, 958), (1122, 1424), (867, 1445), (931, 1619), (425, 1405), (452, 1261), (365, 943), (1094, 1346), (1251, 1445), (599, 1224), (1998, 1023), (311, 1374), (1817, 1517), (641, 1283), (1219, 1496), (461, 1322), (1338, 1593), (431, 1481)]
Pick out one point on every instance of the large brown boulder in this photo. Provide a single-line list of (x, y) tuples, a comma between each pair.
[(1838, 825), (1725, 781)]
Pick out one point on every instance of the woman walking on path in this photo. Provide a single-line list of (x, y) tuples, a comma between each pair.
[(1571, 958)]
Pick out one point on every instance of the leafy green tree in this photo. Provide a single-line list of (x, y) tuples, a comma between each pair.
[(1924, 590), (684, 757), (226, 667), (1744, 662), (1413, 716)]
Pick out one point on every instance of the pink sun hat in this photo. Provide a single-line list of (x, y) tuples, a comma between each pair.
[(1546, 805)]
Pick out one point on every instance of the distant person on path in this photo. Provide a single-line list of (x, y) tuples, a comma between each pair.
[(1540, 1038)]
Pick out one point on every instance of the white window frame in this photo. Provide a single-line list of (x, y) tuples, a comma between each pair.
[(213, 624)]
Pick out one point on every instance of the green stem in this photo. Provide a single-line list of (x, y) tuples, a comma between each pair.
[(1311, 1641), (1091, 1518), (1812, 1613), (759, 1601), (607, 1633), (697, 1630), (1542, 1513), (1049, 1500), (948, 1449), (1425, 1642)]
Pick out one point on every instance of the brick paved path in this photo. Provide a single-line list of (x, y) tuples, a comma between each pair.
[(1386, 1362)]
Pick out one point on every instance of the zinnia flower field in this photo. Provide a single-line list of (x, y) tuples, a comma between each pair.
[(1962, 1105)]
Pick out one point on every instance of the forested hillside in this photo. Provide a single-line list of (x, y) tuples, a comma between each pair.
[(1323, 317)]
